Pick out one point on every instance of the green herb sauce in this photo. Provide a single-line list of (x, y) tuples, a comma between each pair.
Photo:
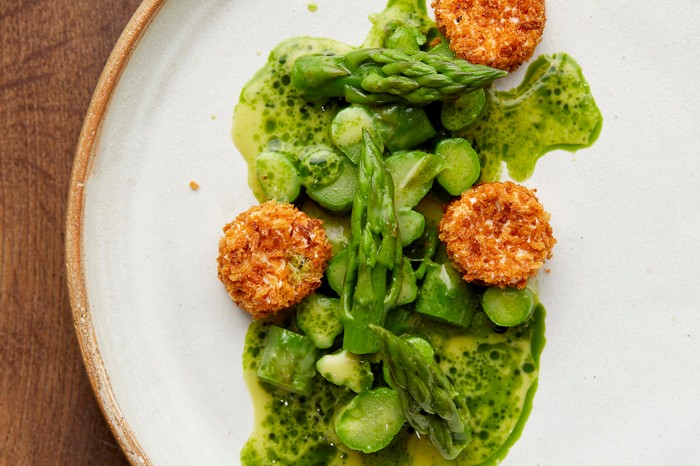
[(271, 116), (552, 108), (290, 429), (496, 369)]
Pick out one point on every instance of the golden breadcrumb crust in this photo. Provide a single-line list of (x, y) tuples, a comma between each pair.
[(498, 33), (497, 234), (271, 257)]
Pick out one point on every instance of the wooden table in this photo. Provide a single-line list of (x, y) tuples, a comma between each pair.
[(51, 55)]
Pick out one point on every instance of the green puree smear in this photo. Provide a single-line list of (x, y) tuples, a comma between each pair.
[(271, 116), (495, 368), (552, 108)]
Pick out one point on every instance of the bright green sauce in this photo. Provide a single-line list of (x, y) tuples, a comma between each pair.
[(270, 115), (498, 373), (291, 429), (552, 108), (497, 370)]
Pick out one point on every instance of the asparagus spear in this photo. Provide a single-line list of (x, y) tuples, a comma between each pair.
[(431, 403), (380, 75), (374, 256)]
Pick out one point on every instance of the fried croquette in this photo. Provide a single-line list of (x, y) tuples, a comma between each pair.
[(271, 257), (497, 234), (498, 33)]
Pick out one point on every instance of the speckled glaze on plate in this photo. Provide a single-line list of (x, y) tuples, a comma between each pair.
[(162, 341)]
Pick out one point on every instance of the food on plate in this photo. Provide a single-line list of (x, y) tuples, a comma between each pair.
[(372, 76), (271, 257), (371, 420), (432, 404), (498, 33), (508, 307), (373, 262), (395, 358), (497, 234)]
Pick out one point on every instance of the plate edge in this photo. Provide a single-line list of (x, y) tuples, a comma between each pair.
[(75, 277)]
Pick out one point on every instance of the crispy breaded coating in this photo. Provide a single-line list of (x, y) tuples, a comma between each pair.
[(497, 234), (498, 33), (271, 257)]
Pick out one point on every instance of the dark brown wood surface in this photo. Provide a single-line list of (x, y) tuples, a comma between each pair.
[(51, 55)]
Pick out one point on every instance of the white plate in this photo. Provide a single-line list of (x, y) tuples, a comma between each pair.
[(162, 341)]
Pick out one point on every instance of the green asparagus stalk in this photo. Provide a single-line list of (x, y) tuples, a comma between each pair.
[(374, 255), (381, 75), (431, 403)]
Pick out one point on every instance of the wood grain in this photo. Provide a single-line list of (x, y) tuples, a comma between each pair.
[(51, 55)]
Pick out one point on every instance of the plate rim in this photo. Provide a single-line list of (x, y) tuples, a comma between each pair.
[(74, 257)]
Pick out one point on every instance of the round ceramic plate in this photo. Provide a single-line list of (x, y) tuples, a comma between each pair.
[(162, 341)]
